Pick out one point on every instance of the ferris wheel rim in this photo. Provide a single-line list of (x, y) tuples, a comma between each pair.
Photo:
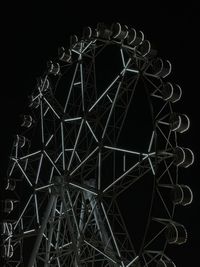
[(82, 121)]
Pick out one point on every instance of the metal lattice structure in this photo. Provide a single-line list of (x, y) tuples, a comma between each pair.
[(69, 170)]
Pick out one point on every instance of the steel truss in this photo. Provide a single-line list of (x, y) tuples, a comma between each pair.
[(70, 171)]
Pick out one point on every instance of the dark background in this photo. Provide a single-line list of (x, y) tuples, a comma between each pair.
[(31, 34)]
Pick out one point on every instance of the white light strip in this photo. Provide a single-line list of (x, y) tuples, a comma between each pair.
[(42, 122), (58, 157), (151, 154), (191, 194), (48, 240), (36, 209), (51, 107), (166, 171), (151, 141), (44, 82), (26, 177), (84, 161), (58, 261), (154, 237), (71, 86), (161, 110), (43, 187), (122, 55), (188, 124), (111, 232), (99, 171), (11, 170), (105, 92), (39, 168), (59, 224), (76, 142), (125, 150), (87, 47), (76, 153), (157, 96), (46, 111), (151, 75), (52, 162), (23, 211), (30, 155), (131, 262), (82, 88), (109, 98), (63, 145), (124, 174), (51, 136), (166, 123), (92, 132), (124, 162), (65, 245), (84, 189), (73, 119), (167, 139), (131, 70), (76, 51), (151, 166), (112, 107), (29, 231), (161, 198), (99, 251)]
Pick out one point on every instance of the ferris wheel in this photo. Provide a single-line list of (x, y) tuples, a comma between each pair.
[(93, 178)]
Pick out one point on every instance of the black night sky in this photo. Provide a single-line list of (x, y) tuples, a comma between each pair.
[(31, 35)]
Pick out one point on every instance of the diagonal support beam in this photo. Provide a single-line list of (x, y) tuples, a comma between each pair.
[(41, 230)]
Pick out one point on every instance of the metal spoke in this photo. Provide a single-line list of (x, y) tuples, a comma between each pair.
[(124, 174), (105, 92), (77, 162), (52, 162), (71, 173), (50, 106), (24, 174), (71, 87), (63, 144), (76, 142)]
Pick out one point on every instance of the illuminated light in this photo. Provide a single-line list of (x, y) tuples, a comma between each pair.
[(87, 33), (53, 68), (171, 92), (73, 41), (160, 68), (144, 48), (179, 122), (7, 228), (27, 121), (175, 233), (7, 251), (11, 184), (20, 141), (119, 32), (181, 195), (135, 38), (34, 101), (8, 205), (183, 157), (43, 84), (64, 55)]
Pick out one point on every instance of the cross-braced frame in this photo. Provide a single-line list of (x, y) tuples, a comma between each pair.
[(73, 169)]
